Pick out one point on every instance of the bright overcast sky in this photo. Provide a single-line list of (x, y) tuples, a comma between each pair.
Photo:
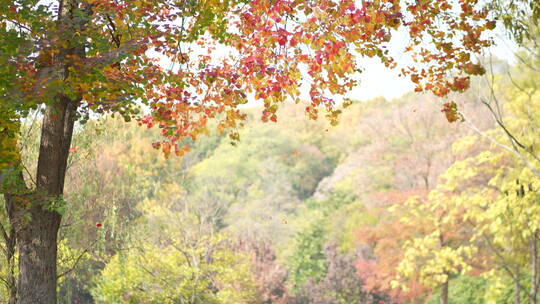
[(377, 80)]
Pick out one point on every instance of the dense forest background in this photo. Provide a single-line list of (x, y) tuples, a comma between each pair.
[(392, 205)]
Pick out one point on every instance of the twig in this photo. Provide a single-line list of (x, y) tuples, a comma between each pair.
[(505, 147)]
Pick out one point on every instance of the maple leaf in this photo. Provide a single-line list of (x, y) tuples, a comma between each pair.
[(450, 111)]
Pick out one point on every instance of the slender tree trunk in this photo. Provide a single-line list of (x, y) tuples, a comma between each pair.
[(12, 278), (10, 243), (534, 267), (444, 293), (35, 218), (517, 297)]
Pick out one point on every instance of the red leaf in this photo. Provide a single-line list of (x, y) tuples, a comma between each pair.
[(450, 111)]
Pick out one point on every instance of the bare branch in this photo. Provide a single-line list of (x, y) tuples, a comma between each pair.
[(505, 147), (85, 251)]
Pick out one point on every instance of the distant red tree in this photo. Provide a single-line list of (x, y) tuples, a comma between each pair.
[(379, 269), (269, 275), (340, 285)]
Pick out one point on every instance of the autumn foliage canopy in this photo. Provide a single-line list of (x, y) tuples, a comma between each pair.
[(192, 61)]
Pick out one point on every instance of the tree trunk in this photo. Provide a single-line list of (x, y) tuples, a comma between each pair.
[(534, 267), (35, 218), (444, 293), (34, 214), (10, 257), (10, 243), (517, 297), (37, 257)]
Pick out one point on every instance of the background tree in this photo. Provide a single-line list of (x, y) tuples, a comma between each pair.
[(341, 283)]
